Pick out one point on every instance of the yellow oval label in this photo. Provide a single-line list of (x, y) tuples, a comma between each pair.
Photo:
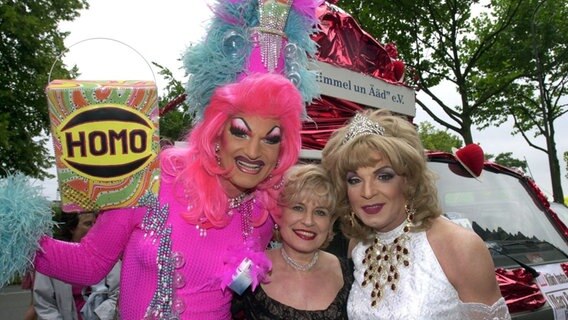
[(106, 142)]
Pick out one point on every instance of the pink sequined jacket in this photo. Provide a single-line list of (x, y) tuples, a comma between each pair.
[(168, 268)]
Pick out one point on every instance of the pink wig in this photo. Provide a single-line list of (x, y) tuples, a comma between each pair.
[(195, 169)]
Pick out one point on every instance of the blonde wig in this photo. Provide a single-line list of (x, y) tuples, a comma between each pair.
[(398, 142)]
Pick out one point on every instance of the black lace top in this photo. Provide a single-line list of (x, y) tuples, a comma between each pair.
[(259, 306)]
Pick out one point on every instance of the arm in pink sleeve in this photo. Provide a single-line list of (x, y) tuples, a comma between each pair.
[(88, 262)]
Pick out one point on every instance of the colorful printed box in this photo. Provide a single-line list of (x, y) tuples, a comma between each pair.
[(106, 142)]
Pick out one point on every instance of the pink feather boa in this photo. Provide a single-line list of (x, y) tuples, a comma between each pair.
[(251, 249)]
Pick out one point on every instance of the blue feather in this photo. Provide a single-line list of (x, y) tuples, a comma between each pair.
[(25, 216), (209, 66)]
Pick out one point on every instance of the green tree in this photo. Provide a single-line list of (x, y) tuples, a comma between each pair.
[(29, 44), (440, 45), (535, 101), (437, 139), (175, 121), (506, 159)]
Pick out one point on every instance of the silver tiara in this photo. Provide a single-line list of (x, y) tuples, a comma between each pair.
[(361, 125)]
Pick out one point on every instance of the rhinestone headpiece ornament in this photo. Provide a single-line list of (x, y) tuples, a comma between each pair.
[(361, 125), (273, 15), (253, 36)]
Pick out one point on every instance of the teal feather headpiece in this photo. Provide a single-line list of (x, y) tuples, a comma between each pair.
[(226, 54)]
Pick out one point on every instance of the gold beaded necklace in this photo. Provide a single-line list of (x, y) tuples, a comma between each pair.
[(382, 262)]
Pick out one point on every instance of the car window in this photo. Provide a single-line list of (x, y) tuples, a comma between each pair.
[(499, 209)]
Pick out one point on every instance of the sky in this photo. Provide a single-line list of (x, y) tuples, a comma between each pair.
[(118, 40)]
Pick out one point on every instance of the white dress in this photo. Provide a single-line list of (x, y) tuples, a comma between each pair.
[(423, 291)]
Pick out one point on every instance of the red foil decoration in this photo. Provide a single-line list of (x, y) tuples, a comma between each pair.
[(564, 268), (328, 114), (343, 43), (519, 290)]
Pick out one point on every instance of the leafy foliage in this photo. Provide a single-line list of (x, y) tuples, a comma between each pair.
[(175, 123), (29, 44), (506, 159), (436, 139), (442, 42), (538, 36)]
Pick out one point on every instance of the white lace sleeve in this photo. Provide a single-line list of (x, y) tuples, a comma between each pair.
[(480, 311)]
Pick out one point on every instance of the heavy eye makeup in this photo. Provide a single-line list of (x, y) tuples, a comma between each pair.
[(239, 128), (385, 174), (273, 136), (352, 178)]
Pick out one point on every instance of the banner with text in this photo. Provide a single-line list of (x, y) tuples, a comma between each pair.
[(360, 88), (554, 286)]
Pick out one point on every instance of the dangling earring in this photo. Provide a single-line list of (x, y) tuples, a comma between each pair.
[(217, 149), (277, 232), (410, 212), (276, 241), (352, 219)]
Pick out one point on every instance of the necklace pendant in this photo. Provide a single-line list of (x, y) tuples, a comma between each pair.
[(382, 262)]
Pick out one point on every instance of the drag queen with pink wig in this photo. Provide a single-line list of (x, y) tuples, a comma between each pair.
[(186, 251)]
